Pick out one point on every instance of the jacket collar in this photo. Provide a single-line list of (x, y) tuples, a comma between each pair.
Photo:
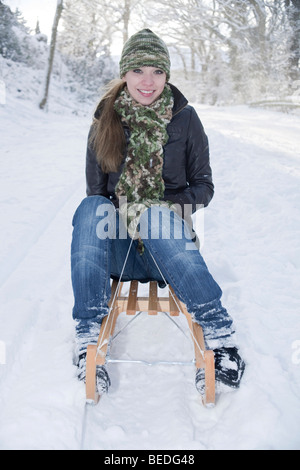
[(180, 100)]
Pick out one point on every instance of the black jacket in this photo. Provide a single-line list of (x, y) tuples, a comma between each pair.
[(186, 169)]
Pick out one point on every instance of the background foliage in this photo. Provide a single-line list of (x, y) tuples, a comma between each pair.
[(222, 51)]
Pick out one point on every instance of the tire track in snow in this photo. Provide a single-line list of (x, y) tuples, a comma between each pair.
[(20, 297), (25, 243)]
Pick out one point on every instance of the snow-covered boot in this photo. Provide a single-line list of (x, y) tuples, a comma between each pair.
[(229, 370), (102, 378), (229, 367), (200, 381)]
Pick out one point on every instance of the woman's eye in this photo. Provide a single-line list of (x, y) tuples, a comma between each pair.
[(158, 72), (137, 70)]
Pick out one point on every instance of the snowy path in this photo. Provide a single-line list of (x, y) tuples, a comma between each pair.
[(251, 245)]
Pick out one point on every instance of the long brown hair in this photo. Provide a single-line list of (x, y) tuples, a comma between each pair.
[(107, 135)]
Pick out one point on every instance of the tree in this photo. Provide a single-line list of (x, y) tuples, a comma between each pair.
[(85, 42), (58, 12), (12, 31), (293, 13), (89, 28), (238, 49)]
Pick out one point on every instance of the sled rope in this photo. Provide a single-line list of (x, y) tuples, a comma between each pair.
[(126, 325), (101, 343), (177, 305)]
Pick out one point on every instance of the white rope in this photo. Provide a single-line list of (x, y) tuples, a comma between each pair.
[(177, 305), (102, 343), (178, 326), (154, 363), (126, 325)]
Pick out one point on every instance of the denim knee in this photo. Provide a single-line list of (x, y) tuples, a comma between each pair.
[(88, 208), (155, 223), (160, 222)]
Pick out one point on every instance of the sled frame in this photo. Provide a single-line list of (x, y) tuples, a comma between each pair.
[(132, 304)]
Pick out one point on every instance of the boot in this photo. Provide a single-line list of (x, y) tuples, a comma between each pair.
[(102, 378), (229, 370)]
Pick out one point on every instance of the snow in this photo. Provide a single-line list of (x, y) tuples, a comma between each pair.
[(251, 245)]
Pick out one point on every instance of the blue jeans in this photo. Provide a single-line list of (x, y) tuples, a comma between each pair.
[(99, 247)]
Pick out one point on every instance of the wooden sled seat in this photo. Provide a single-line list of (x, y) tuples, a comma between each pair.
[(131, 304)]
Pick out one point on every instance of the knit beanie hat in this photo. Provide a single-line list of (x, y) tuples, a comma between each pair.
[(145, 49)]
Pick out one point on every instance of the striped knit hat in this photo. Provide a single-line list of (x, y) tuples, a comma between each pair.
[(145, 49)]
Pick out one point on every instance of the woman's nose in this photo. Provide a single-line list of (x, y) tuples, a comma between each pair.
[(148, 78)]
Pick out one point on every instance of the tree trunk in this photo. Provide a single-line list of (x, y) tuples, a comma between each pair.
[(126, 18), (293, 10), (59, 9)]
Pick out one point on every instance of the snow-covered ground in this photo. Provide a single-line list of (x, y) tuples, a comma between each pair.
[(251, 245)]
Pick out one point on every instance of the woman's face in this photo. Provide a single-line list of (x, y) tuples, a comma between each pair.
[(145, 84)]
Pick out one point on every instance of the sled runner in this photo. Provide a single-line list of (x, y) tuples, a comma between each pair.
[(132, 304)]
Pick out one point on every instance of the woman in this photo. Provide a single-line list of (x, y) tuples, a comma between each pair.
[(147, 170)]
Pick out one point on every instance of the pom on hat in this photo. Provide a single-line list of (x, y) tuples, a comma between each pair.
[(145, 49)]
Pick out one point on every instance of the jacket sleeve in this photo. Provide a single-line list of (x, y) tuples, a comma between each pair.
[(200, 188), (199, 174), (96, 180)]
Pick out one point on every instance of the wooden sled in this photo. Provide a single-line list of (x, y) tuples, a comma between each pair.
[(96, 354)]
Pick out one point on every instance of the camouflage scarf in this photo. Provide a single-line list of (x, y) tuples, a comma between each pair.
[(141, 178), (141, 181)]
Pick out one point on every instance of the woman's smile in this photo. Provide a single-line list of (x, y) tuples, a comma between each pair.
[(145, 84)]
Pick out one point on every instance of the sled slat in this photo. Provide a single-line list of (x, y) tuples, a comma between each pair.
[(152, 309), (131, 306)]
